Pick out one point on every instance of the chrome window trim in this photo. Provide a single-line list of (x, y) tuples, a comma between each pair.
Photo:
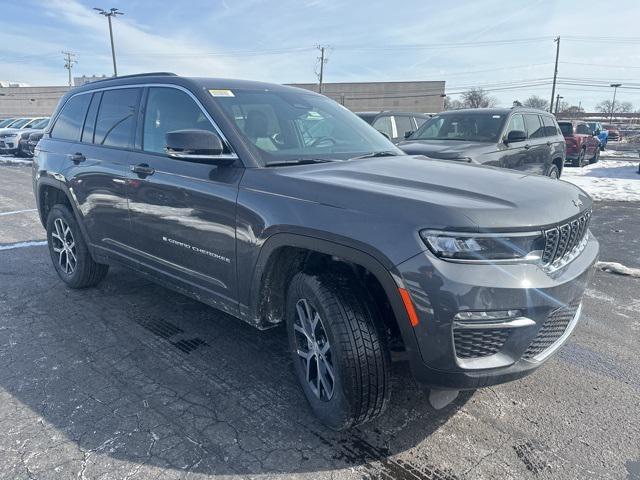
[(152, 85)]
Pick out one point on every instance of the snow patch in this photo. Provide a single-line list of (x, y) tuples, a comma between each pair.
[(11, 246), (616, 180), (11, 160), (614, 267)]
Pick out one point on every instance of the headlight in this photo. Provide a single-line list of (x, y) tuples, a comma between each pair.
[(484, 246)]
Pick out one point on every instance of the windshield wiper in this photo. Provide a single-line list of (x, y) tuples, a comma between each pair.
[(297, 161), (375, 155)]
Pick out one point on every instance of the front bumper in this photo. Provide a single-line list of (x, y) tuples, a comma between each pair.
[(446, 356), (9, 145)]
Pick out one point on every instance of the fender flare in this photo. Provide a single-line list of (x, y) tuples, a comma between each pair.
[(379, 266)]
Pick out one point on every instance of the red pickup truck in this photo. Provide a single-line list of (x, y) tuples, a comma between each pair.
[(582, 145)]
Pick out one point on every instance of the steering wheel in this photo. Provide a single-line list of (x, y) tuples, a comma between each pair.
[(320, 140)]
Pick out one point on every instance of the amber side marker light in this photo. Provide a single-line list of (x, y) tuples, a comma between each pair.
[(408, 305)]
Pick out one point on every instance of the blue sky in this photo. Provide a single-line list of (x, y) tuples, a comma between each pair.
[(274, 41)]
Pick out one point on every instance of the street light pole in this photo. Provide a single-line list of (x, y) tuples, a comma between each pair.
[(111, 13), (558, 98), (613, 103)]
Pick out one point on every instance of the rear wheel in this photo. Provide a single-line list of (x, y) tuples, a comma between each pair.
[(69, 252), (339, 354), (554, 172), (579, 162)]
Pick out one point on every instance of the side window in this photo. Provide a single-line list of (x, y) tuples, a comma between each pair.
[(403, 125), (534, 127), (550, 129), (583, 129), (71, 118), (116, 117), (383, 125), (516, 123), (90, 122), (169, 109), (419, 121)]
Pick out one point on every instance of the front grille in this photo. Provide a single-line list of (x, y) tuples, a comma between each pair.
[(564, 240), (552, 329), (481, 342)]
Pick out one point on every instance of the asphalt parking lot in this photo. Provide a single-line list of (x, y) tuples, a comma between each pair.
[(130, 380)]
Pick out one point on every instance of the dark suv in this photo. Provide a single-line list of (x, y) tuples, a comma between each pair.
[(396, 126), (522, 139), (279, 206)]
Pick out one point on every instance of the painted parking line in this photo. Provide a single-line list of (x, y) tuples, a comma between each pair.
[(11, 246), (2, 214)]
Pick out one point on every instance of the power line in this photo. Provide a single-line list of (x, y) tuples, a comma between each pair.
[(69, 61)]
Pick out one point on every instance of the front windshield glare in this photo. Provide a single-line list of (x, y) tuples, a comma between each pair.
[(288, 126), (474, 127)]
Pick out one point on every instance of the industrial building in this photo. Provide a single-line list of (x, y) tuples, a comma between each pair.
[(416, 96), (29, 101)]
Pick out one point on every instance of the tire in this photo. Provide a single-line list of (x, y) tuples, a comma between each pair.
[(553, 172), (595, 158), (346, 341), (579, 162), (67, 244)]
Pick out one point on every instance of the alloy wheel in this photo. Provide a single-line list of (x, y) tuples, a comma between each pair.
[(64, 245), (314, 350)]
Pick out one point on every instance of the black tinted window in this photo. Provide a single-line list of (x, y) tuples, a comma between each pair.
[(566, 128), (550, 129), (169, 109), (90, 122), (114, 126), (583, 129), (534, 127), (71, 118)]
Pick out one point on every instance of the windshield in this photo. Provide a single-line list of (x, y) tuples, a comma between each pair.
[(20, 123), (566, 128), (42, 123), (474, 127), (6, 122), (292, 126)]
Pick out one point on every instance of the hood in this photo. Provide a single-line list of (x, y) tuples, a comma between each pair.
[(430, 193), (445, 149)]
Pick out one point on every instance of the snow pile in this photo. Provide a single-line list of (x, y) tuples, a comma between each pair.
[(630, 154), (607, 180), (11, 160)]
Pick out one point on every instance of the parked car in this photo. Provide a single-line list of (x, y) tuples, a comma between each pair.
[(32, 142), (6, 122), (218, 189), (13, 140), (582, 146), (396, 126), (17, 123), (600, 132), (518, 138), (613, 133)]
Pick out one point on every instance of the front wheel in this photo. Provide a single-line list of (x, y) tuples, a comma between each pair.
[(596, 156), (339, 353), (553, 172), (69, 252)]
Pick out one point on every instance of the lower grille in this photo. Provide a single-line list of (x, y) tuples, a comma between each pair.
[(476, 343), (552, 329)]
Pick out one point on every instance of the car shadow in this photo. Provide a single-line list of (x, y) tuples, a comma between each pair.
[(135, 372)]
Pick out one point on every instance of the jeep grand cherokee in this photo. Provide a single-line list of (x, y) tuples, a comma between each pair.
[(279, 206)]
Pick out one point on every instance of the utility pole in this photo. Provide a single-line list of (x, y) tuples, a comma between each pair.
[(69, 60), (111, 13), (555, 73), (322, 61), (613, 103), (558, 98)]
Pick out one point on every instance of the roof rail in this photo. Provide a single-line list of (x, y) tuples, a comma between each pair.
[(135, 75)]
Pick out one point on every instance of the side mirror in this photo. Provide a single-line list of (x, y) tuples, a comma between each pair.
[(195, 145), (408, 134), (515, 136)]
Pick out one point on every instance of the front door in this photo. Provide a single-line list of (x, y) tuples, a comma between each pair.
[(537, 148), (514, 155), (183, 213)]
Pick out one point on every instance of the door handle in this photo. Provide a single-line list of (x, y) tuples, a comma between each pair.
[(142, 169), (76, 157)]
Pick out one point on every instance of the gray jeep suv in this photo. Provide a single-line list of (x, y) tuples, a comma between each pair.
[(280, 207)]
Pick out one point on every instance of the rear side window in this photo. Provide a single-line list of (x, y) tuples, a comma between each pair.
[(566, 128), (71, 118), (583, 129), (90, 122), (383, 125), (534, 127), (403, 125), (116, 117), (550, 129), (169, 109)]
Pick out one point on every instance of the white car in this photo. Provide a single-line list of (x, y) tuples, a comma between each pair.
[(20, 129)]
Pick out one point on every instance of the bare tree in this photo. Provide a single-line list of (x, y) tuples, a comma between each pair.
[(477, 98), (452, 104), (606, 106), (571, 111), (535, 101)]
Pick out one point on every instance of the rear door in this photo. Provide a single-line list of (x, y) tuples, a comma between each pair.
[(590, 142), (183, 213), (537, 149), (101, 167)]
